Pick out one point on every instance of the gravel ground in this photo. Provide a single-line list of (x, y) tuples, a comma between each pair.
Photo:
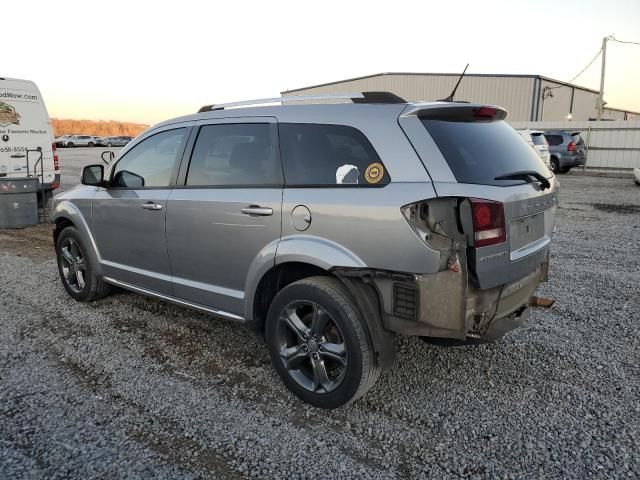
[(129, 387)]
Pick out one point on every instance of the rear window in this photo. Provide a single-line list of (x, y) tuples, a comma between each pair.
[(478, 152), (538, 139), (329, 155), (554, 140)]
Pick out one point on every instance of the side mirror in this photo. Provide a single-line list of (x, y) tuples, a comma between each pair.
[(126, 179), (93, 175)]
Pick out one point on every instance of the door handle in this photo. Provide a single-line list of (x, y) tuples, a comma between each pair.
[(257, 210), (152, 206)]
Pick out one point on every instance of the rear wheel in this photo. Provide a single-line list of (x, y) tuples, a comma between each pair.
[(91, 144), (319, 344), (70, 144), (555, 165), (109, 144), (77, 268)]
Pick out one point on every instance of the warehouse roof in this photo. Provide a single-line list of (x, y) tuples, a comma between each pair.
[(440, 75)]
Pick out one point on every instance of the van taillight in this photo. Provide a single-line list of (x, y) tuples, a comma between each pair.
[(571, 147), (56, 160), (488, 222)]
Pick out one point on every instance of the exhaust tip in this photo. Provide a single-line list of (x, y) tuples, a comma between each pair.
[(535, 301)]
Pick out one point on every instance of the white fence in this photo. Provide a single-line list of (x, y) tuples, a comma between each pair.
[(610, 145)]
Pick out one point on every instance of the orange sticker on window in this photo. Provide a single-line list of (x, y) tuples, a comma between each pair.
[(374, 173)]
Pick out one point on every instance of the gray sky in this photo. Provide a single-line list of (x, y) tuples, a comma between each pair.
[(148, 61)]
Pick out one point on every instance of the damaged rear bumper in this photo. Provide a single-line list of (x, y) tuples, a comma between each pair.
[(446, 305)]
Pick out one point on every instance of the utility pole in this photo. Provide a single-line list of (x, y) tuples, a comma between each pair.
[(600, 103)]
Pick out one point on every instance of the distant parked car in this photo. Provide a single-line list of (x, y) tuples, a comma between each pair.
[(78, 141), (566, 150), (59, 141), (636, 176), (537, 141), (116, 141)]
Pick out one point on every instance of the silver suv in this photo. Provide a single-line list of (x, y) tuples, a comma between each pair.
[(566, 150), (328, 227)]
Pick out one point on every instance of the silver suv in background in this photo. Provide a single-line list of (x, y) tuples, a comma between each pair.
[(77, 141), (328, 227), (566, 150)]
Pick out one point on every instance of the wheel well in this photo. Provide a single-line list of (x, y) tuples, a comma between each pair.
[(275, 280), (61, 224)]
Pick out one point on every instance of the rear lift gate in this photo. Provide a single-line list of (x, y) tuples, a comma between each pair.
[(483, 288)]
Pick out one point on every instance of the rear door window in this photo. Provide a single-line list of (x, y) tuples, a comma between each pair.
[(329, 155), (237, 154), (478, 152)]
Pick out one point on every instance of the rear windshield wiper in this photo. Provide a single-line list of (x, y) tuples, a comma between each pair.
[(527, 177)]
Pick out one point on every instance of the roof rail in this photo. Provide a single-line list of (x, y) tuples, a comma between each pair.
[(356, 97)]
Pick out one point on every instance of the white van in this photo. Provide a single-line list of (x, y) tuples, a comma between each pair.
[(25, 127)]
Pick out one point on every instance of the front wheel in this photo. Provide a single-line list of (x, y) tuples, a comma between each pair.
[(109, 144), (70, 144), (319, 343), (76, 268), (91, 144)]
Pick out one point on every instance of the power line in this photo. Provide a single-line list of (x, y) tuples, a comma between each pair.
[(585, 68), (579, 73), (611, 37)]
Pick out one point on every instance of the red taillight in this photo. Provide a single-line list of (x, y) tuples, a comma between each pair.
[(488, 222), (571, 147), (56, 160), (485, 112)]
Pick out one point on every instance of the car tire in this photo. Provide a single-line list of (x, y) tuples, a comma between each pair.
[(70, 145), (109, 144), (319, 343), (555, 165), (91, 144), (77, 267)]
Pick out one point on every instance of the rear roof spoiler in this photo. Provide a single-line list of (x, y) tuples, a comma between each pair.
[(460, 111)]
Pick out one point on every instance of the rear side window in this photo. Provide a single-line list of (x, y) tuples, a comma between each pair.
[(329, 155), (239, 154), (554, 140), (577, 138), (478, 152)]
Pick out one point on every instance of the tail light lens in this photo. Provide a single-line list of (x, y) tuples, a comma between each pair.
[(488, 222), (56, 159), (485, 112), (571, 147)]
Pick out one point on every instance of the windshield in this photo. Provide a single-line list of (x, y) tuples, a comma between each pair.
[(478, 152)]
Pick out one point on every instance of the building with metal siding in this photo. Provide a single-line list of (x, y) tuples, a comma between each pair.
[(526, 97)]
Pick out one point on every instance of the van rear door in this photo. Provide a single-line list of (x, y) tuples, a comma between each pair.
[(506, 194), (24, 125)]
